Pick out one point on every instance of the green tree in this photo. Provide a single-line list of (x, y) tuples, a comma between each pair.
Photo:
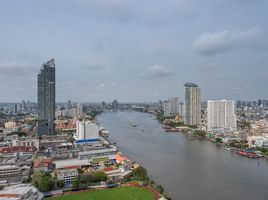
[(100, 176), (160, 189), (60, 184), (45, 183), (75, 184), (199, 133), (140, 172), (218, 140), (80, 171)]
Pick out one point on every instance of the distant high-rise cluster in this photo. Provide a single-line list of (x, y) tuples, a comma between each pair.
[(192, 104), (46, 98), (221, 115)]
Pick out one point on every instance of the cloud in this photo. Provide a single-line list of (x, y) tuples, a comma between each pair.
[(101, 86), (157, 71), (226, 40), (92, 67), (147, 12), (15, 68)]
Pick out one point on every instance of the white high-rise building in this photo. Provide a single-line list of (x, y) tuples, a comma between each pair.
[(171, 107), (174, 106), (79, 110), (86, 130), (166, 108), (221, 115), (192, 104)]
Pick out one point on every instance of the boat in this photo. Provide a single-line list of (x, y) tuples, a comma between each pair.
[(227, 148), (132, 124), (249, 154)]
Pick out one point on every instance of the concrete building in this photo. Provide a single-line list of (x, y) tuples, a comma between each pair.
[(221, 115), (86, 130), (11, 125), (46, 99), (20, 192), (67, 175), (192, 104), (18, 151), (166, 106), (98, 153), (79, 110), (9, 170), (174, 106)]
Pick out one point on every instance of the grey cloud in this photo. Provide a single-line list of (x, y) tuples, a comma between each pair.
[(157, 71), (92, 67), (123, 11), (226, 40), (15, 68)]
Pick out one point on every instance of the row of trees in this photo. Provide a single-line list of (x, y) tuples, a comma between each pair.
[(141, 174), (85, 179), (200, 133)]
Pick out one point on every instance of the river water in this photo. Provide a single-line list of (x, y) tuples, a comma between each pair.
[(188, 170)]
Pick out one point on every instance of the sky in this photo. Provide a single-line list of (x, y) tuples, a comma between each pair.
[(135, 50)]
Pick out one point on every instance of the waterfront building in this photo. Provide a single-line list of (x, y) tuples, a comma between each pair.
[(109, 153), (166, 106), (46, 99), (221, 115), (174, 106), (86, 130), (192, 104)]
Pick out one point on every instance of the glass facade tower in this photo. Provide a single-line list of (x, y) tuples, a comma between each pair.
[(46, 99)]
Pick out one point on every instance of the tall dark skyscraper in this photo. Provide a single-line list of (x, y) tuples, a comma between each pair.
[(46, 99)]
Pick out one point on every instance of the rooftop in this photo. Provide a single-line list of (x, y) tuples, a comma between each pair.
[(190, 85)]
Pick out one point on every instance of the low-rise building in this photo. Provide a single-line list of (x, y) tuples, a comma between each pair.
[(98, 152), (67, 175), (20, 192), (18, 151), (9, 170), (45, 165)]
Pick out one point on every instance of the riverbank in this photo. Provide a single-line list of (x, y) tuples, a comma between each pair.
[(144, 179), (181, 166)]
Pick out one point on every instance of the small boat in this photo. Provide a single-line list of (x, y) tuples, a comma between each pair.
[(133, 124), (227, 148)]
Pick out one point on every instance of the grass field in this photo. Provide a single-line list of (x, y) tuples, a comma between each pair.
[(121, 193)]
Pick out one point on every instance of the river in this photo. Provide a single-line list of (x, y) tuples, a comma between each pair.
[(188, 170)]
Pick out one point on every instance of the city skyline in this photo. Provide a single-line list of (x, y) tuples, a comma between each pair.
[(103, 51)]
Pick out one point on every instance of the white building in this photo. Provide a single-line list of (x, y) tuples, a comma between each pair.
[(86, 130), (221, 115), (192, 104), (174, 106), (166, 108), (171, 107), (79, 110)]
